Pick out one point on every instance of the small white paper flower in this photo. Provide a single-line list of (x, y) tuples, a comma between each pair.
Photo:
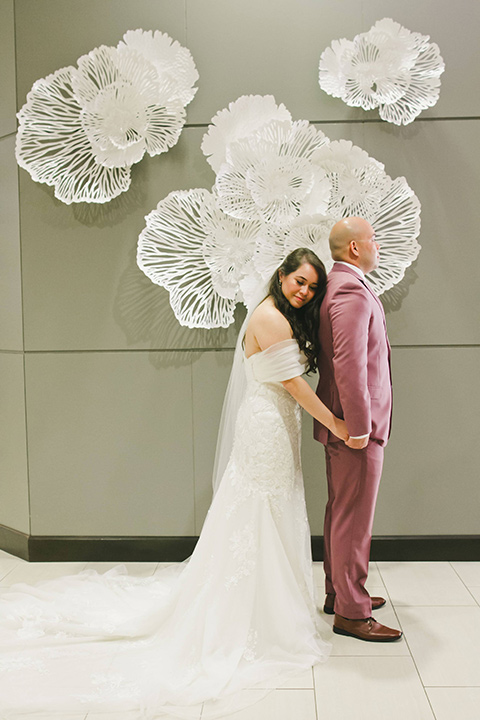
[(387, 67), (82, 128), (199, 254), (270, 176)]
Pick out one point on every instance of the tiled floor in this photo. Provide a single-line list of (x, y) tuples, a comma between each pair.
[(433, 673)]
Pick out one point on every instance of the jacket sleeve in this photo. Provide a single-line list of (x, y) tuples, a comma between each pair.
[(350, 315)]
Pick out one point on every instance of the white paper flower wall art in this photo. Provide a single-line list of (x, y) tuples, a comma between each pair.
[(280, 184), (82, 128), (388, 67)]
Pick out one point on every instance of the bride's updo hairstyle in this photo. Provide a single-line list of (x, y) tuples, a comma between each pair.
[(303, 321)]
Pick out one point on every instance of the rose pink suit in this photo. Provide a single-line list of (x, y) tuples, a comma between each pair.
[(355, 384)]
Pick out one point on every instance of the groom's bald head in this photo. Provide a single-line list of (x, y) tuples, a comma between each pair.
[(352, 240), (342, 234)]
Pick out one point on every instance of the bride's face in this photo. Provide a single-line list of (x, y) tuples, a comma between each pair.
[(300, 286)]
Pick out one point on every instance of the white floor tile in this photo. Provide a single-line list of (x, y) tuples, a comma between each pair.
[(374, 577), (476, 593), (444, 642), (423, 583), (302, 680), (5, 556), (455, 703), (119, 716), (280, 705), (138, 569), (318, 574), (469, 572), (32, 573), (7, 564), (370, 688), (49, 716)]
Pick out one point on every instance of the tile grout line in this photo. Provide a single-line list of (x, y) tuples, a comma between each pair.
[(465, 585), (314, 692), (408, 647)]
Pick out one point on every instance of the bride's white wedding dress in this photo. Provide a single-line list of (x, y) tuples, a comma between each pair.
[(239, 615)]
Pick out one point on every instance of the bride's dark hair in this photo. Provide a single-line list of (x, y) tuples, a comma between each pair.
[(304, 321)]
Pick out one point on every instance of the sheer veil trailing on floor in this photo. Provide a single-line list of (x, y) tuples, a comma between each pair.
[(210, 635)]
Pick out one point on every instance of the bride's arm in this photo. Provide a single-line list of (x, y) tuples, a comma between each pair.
[(307, 398), (268, 326)]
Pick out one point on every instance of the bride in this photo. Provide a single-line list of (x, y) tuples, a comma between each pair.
[(208, 636)]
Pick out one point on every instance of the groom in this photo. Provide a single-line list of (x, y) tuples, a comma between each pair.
[(355, 384)]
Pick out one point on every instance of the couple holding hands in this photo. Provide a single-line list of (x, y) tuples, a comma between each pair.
[(211, 635)]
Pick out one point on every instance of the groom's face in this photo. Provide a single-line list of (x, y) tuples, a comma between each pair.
[(368, 249)]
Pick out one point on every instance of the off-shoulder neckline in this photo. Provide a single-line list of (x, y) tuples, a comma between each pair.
[(271, 348)]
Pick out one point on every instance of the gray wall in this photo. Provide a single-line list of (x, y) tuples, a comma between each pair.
[(121, 404), (14, 502)]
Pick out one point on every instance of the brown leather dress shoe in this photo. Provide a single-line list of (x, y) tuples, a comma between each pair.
[(377, 602), (368, 629)]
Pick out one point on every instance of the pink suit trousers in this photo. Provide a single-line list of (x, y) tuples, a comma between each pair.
[(353, 478)]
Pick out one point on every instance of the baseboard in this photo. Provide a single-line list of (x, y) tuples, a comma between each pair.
[(14, 542), (41, 548)]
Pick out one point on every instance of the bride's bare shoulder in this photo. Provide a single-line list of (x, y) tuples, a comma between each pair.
[(266, 312), (268, 325)]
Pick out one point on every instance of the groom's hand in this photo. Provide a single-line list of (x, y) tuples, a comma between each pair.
[(357, 443)]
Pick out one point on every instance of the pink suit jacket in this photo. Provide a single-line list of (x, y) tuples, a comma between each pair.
[(354, 364)]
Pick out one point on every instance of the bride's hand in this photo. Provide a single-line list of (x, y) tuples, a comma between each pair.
[(339, 428)]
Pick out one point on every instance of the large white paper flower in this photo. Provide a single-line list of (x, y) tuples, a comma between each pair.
[(53, 146), (115, 106), (269, 175), (280, 185), (199, 254), (387, 67)]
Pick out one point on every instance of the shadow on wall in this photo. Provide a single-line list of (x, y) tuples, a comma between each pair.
[(392, 299), (142, 309), (113, 212)]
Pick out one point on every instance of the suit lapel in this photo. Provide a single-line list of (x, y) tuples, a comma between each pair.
[(344, 268)]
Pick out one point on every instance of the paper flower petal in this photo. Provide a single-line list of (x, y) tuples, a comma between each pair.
[(242, 117), (126, 109), (397, 226), (270, 176), (172, 61), (309, 231), (357, 181)]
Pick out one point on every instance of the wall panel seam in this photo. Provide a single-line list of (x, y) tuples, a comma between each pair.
[(362, 121), (194, 468), (213, 350)]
